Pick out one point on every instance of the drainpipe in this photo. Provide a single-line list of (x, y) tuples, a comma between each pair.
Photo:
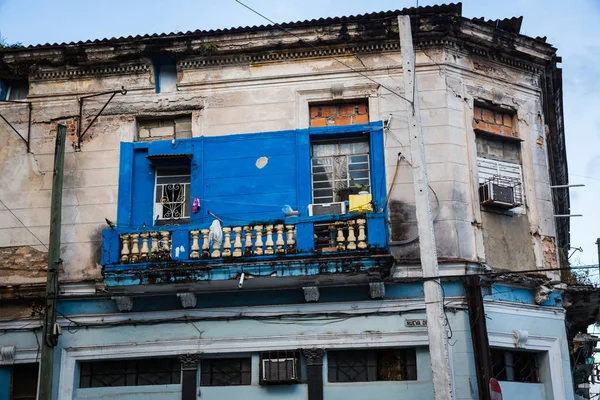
[(51, 329)]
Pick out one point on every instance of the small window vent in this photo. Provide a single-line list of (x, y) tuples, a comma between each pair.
[(501, 192), (279, 367), (327, 208)]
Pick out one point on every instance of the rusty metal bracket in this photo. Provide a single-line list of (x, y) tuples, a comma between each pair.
[(80, 134), (28, 124)]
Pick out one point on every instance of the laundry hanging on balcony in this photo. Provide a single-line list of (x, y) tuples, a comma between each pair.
[(215, 233)]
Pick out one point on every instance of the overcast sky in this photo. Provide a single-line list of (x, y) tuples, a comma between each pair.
[(573, 27)]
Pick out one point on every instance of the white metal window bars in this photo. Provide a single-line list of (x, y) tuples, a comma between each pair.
[(172, 196), (336, 166)]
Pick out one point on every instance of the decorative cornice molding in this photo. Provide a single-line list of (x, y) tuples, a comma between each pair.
[(313, 356), (121, 69), (189, 361), (188, 300), (124, 303), (311, 294)]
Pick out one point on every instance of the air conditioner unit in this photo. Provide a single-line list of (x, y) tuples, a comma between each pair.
[(327, 208), (280, 367), (498, 192)]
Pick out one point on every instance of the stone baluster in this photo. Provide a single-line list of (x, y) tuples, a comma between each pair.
[(226, 242), (216, 253), (166, 245), (124, 249), (145, 249), (195, 253), (279, 242), (135, 247), (258, 243), (351, 236), (362, 237), (154, 247), (291, 239), (269, 242), (341, 240), (205, 243), (237, 242), (248, 242)]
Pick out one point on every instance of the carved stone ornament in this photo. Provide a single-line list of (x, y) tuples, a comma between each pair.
[(520, 337), (311, 294), (7, 355), (377, 290), (313, 356), (188, 300), (189, 361), (124, 303)]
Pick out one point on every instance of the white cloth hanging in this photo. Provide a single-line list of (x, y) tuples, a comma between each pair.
[(215, 233)]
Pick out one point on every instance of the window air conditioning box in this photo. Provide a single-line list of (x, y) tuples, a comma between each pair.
[(284, 369), (493, 194), (360, 203), (327, 208)]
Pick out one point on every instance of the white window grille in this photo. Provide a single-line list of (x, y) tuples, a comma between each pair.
[(338, 169), (172, 196)]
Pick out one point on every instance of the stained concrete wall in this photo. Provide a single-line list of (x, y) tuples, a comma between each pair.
[(244, 98)]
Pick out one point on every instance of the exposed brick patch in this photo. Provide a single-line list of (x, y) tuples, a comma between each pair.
[(23, 261), (338, 114), (549, 249), (493, 121)]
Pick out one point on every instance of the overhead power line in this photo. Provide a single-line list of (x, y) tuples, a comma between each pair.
[(318, 49)]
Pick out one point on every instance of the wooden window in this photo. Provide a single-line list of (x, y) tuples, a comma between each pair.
[(372, 365)]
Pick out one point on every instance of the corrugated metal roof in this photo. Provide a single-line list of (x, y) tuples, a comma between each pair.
[(451, 8)]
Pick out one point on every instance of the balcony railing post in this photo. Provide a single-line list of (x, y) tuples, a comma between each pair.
[(135, 247), (269, 243), (145, 249), (351, 237), (195, 253), (341, 240), (291, 240), (124, 248), (362, 237), (279, 243), (154, 246), (166, 245), (258, 244), (205, 243), (237, 244), (248, 242), (226, 242)]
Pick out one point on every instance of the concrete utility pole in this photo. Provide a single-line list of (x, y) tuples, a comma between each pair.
[(438, 339), (50, 335)]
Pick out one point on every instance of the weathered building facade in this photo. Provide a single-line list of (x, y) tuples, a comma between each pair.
[(321, 299)]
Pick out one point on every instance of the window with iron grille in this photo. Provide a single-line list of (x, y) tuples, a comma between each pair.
[(172, 196), (515, 366), (279, 367), (372, 365), (148, 371), (339, 168), (225, 371), (24, 379)]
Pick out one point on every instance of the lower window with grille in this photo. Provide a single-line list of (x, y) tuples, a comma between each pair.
[(515, 366), (372, 365), (225, 371), (141, 372)]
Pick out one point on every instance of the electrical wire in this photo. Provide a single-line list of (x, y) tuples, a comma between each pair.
[(24, 226), (318, 49)]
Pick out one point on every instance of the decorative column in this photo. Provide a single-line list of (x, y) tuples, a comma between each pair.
[(351, 236), (258, 244), (269, 243), (195, 253), (135, 247), (237, 243), (279, 243), (205, 243), (226, 242), (314, 372), (291, 240), (341, 240), (154, 246), (124, 249), (362, 237), (248, 242), (189, 372)]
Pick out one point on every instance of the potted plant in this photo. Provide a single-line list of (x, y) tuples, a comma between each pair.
[(344, 191)]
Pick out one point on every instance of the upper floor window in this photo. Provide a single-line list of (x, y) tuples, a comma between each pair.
[(152, 371), (24, 379), (339, 168), (14, 90), (164, 128), (225, 371), (336, 114), (165, 75), (372, 365), (172, 195), (498, 158), (515, 366)]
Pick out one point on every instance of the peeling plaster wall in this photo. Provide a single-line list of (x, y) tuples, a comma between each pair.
[(244, 98)]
